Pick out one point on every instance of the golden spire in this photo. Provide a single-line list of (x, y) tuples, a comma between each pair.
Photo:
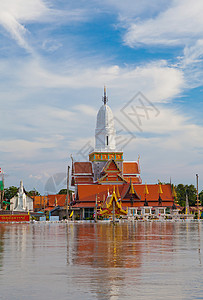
[(146, 189), (160, 188), (105, 99), (114, 189), (132, 191)]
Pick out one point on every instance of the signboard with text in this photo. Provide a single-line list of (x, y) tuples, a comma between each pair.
[(14, 218)]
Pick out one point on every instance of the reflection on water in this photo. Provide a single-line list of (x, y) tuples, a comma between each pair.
[(143, 260), (1, 245)]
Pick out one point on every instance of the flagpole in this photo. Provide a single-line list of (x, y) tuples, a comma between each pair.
[(198, 210), (67, 195)]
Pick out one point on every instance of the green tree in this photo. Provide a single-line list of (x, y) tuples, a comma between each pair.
[(181, 190), (192, 194), (33, 192), (10, 192), (64, 192), (201, 197)]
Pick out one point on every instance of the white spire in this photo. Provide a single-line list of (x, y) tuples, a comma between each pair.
[(105, 134), (21, 196)]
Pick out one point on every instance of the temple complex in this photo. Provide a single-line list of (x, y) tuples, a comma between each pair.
[(108, 176)]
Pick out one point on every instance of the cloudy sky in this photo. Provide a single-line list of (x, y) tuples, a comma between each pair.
[(55, 58)]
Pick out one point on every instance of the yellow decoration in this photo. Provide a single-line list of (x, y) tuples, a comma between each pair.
[(114, 189), (71, 214), (109, 205), (132, 191), (146, 189), (160, 188)]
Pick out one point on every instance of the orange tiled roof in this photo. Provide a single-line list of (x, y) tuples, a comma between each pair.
[(83, 179), (133, 178), (49, 202), (61, 200), (87, 194), (82, 168), (39, 202), (154, 191), (130, 168), (85, 204)]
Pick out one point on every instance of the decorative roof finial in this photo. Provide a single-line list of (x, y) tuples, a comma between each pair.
[(105, 98)]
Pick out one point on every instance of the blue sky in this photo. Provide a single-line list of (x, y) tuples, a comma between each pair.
[(56, 56)]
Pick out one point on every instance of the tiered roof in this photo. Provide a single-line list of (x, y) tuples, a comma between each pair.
[(82, 173), (86, 194), (131, 171)]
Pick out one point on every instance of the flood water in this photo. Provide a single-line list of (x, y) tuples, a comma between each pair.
[(141, 260)]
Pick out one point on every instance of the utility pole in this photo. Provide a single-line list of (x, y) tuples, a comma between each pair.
[(67, 195), (2, 191), (95, 214), (198, 204)]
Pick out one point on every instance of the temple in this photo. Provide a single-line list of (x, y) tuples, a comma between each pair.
[(107, 176)]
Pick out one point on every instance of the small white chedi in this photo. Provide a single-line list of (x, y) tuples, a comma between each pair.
[(21, 201)]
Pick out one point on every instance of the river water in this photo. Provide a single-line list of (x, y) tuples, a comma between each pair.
[(141, 260)]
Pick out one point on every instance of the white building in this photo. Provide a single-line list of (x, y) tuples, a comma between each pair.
[(21, 201)]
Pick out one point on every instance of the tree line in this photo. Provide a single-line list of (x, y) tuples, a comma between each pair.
[(190, 190)]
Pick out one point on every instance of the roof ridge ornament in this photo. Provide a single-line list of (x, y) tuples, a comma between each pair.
[(105, 98)]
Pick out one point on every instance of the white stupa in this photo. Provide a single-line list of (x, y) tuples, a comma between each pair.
[(21, 201), (105, 133)]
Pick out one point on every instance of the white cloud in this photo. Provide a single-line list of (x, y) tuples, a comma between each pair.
[(86, 110), (180, 24), (14, 15), (14, 12), (157, 81), (174, 150), (24, 148), (51, 45)]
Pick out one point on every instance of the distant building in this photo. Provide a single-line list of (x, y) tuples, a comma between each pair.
[(106, 169), (21, 201), (49, 202)]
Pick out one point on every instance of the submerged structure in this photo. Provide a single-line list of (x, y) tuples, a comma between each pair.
[(107, 173)]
